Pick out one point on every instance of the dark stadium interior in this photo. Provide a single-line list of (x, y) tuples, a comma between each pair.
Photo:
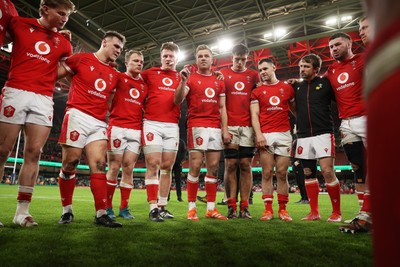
[(147, 24)]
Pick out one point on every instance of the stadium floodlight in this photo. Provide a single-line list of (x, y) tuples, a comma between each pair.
[(181, 55), (331, 21), (346, 18), (280, 32), (225, 45), (267, 35)]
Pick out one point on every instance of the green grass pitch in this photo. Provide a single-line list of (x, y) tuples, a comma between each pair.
[(176, 242)]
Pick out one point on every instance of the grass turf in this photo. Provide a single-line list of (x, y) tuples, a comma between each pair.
[(176, 242)]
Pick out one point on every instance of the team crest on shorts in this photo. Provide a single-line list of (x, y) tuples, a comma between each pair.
[(150, 137), (299, 150), (117, 143), (9, 111), (199, 141), (74, 135)]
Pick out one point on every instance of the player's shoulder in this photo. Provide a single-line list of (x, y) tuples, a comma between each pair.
[(322, 80), (360, 57), (252, 72), (284, 84), (83, 55), (225, 70), (260, 88), (152, 69), (23, 21)]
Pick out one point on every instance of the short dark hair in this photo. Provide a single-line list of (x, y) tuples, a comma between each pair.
[(240, 49), (131, 52), (170, 46), (116, 35), (314, 59), (340, 35), (56, 3), (266, 60)]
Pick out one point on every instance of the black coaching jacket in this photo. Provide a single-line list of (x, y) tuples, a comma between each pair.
[(313, 107)]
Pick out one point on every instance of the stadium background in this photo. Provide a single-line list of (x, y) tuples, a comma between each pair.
[(282, 30)]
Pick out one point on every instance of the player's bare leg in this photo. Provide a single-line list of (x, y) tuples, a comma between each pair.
[(167, 162), (35, 138)]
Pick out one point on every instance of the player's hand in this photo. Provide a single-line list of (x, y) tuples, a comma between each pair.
[(66, 34), (226, 138), (261, 142), (113, 64), (259, 84), (185, 72), (220, 76), (292, 81)]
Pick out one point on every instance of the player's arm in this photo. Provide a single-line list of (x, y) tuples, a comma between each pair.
[(110, 100), (219, 75), (226, 138), (180, 91), (255, 122), (62, 72), (292, 107), (292, 99), (293, 81), (67, 34)]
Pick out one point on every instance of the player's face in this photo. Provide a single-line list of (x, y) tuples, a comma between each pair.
[(168, 59), (135, 64), (307, 70), (364, 31), (267, 71), (340, 48), (239, 62), (113, 47), (56, 17), (204, 59)]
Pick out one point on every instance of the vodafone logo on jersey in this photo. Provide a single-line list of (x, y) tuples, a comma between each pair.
[(100, 85), (274, 100), (343, 77), (1, 14), (210, 93), (42, 48), (134, 93), (167, 81), (239, 86)]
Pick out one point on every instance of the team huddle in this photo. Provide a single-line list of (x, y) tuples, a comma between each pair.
[(236, 111)]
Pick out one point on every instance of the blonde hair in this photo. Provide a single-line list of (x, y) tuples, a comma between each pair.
[(203, 47), (130, 53)]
